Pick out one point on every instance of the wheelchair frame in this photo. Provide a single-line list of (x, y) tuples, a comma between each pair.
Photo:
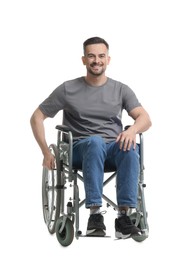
[(60, 218)]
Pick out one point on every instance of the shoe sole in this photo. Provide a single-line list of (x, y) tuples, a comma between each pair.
[(119, 235), (95, 233), (136, 237)]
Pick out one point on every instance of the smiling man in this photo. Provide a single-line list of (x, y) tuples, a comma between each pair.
[(92, 107)]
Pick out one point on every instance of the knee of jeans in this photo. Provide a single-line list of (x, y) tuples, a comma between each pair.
[(96, 141), (132, 153)]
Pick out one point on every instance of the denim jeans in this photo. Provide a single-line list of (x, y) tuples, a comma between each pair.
[(92, 154)]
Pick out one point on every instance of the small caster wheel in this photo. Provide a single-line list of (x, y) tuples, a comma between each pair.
[(144, 231), (65, 237)]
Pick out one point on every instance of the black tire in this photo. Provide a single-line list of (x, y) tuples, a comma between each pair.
[(51, 196), (65, 237)]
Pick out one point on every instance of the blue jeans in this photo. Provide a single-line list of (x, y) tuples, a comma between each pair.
[(92, 154)]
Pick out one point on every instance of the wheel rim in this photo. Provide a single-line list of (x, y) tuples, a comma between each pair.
[(50, 194), (49, 197)]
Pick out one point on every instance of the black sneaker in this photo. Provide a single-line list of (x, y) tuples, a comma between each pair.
[(96, 226), (124, 228)]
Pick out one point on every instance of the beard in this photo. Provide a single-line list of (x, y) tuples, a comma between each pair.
[(96, 72)]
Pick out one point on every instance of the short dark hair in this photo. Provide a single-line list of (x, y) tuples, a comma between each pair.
[(94, 40)]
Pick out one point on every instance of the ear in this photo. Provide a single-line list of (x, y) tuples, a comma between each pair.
[(83, 60), (109, 59)]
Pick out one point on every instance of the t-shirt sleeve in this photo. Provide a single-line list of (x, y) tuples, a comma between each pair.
[(54, 103), (129, 99)]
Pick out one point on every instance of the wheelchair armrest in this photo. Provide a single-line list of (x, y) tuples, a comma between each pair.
[(63, 128), (126, 127)]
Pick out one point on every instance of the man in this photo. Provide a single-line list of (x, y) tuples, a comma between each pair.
[(92, 108)]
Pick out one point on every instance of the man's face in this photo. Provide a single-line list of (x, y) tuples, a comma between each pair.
[(96, 59)]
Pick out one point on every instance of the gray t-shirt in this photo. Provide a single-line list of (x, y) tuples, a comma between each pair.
[(90, 110)]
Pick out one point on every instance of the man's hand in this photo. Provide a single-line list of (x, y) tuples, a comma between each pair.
[(126, 139), (49, 161)]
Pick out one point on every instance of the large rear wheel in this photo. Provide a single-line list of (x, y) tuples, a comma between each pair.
[(51, 193)]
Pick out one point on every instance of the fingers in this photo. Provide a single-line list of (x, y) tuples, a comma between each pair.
[(52, 164), (126, 141), (49, 163), (126, 145), (118, 138)]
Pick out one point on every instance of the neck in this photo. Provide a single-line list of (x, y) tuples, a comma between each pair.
[(96, 81)]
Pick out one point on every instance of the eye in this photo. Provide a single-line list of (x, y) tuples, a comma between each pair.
[(102, 56), (90, 56)]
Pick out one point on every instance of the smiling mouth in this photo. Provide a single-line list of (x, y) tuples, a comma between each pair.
[(96, 69), (96, 65)]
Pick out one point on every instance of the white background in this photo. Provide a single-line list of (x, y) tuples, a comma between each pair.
[(40, 47)]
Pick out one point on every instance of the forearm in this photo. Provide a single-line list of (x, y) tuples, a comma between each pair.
[(39, 133), (141, 124), (142, 120)]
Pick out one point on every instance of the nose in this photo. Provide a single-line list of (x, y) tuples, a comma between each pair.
[(97, 59)]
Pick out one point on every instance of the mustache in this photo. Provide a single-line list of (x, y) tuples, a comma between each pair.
[(95, 63)]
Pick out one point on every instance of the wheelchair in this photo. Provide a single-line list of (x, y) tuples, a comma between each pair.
[(59, 217)]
